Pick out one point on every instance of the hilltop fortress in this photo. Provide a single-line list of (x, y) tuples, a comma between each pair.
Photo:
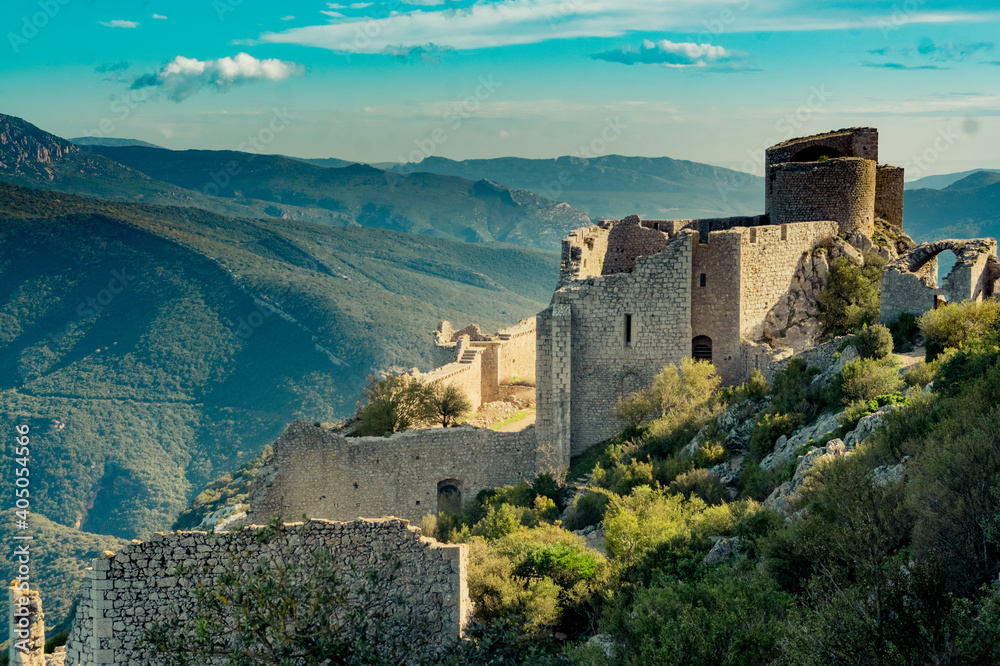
[(633, 296)]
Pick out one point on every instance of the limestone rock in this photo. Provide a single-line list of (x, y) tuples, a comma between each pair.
[(785, 447), (846, 356), (866, 426), (729, 471), (783, 497), (724, 549), (887, 474)]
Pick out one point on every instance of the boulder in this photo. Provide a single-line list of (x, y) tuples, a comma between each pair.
[(724, 549)]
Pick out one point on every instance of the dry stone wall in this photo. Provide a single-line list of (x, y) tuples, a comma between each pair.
[(323, 474), (420, 597)]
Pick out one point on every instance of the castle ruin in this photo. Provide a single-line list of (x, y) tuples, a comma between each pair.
[(633, 296)]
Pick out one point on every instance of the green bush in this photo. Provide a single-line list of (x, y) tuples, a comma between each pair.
[(863, 379), (766, 431), (587, 509), (565, 565), (957, 369), (700, 483), (960, 324), (756, 484), (795, 392), (873, 341), (498, 522), (921, 374), (851, 297), (394, 404)]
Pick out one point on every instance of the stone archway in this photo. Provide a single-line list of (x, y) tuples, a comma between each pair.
[(449, 496), (701, 348)]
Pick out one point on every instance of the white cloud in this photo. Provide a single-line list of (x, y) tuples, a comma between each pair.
[(287, 18), (509, 22), (671, 54), (183, 77), (159, 17), (118, 23)]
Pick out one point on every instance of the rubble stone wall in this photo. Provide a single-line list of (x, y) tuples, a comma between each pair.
[(420, 593)]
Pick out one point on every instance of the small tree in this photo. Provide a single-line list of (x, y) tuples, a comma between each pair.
[(873, 341), (450, 404), (395, 404)]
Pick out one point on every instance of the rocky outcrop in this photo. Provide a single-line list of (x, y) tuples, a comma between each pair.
[(784, 447), (725, 548)]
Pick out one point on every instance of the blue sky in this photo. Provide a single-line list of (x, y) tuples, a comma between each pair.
[(708, 81)]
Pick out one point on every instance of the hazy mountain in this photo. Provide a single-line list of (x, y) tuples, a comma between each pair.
[(943, 180), (966, 208), (263, 186), (152, 348), (614, 186), (422, 203), (109, 141)]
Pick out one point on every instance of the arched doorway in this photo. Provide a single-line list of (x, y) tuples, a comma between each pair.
[(449, 496), (701, 348)]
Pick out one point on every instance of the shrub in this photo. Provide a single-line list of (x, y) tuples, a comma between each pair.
[(795, 392), (757, 484), (709, 454), (700, 483), (499, 595), (904, 332), (587, 509), (851, 297), (766, 431), (921, 374), (498, 522), (755, 388), (636, 523), (960, 367), (681, 391), (960, 324), (635, 409), (873, 341), (565, 565), (863, 379), (394, 404), (545, 510)]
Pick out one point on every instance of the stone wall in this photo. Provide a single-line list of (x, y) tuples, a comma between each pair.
[(908, 286), (715, 307), (841, 189), (889, 195), (323, 474), (848, 142), (627, 240), (516, 355), (420, 591), (585, 360), (466, 372), (583, 253), (769, 258)]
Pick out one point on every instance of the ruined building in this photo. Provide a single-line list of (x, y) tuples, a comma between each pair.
[(633, 296), (636, 295)]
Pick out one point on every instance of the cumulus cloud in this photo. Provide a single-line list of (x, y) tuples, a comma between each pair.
[(183, 77), (118, 23), (672, 54)]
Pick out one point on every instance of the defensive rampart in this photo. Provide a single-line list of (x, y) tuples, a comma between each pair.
[(411, 589), (320, 473)]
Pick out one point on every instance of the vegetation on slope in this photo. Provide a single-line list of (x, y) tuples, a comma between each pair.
[(135, 343)]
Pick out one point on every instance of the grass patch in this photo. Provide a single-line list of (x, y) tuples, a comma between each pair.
[(520, 416)]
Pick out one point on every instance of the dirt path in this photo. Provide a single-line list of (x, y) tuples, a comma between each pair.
[(518, 426), (910, 358)]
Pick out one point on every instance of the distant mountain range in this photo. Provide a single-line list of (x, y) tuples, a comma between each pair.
[(968, 207), (109, 141), (263, 186), (943, 180)]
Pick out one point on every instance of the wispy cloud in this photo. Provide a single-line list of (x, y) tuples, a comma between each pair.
[(671, 54), (183, 77), (288, 18), (159, 17), (899, 65), (118, 23), (511, 22), (112, 67)]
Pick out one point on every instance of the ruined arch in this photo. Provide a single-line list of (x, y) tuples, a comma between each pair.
[(629, 382), (701, 348), (814, 153), (449, 496)]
